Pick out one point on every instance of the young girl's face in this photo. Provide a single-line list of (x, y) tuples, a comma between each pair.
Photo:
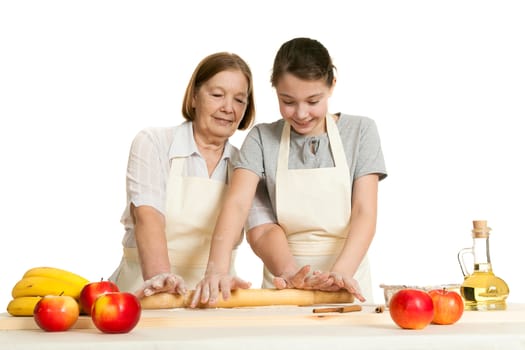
[(303, 103)]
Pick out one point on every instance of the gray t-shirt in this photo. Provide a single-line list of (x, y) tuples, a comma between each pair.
[(260, 150)]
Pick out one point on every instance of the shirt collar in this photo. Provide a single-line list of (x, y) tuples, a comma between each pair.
[(183, 144)]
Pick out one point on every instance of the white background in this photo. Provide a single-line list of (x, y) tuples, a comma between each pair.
[(444, 80)]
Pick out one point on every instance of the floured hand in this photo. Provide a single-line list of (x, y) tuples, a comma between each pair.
[(208, 289), (348, 283), (166, 282)]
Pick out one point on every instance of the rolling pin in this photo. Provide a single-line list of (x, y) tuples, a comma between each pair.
[(251, 297)]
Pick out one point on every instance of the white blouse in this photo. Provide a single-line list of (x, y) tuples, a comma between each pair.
[(149, 163)]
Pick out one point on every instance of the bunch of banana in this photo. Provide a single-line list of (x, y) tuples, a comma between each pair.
[(40, 281)]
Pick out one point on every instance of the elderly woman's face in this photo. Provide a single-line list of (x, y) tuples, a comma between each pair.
[(220, 104)]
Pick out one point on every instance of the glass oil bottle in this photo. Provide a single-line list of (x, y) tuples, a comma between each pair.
[(481, 290)]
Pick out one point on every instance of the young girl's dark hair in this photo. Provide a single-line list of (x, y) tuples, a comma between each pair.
[(306, 59)]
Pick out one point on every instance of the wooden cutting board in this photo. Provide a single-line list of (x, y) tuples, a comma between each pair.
[(231, 317), (165, 309)]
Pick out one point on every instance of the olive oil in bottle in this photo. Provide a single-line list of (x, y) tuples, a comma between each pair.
[(482, 290)]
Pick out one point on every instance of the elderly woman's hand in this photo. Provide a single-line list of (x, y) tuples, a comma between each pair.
[(163, 282)]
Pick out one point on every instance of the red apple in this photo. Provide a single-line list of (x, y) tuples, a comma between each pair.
[(448, 306), (92, 291), (116, 312), (411, 308), (56, 313)]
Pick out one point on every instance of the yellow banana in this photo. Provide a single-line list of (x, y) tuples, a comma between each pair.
[(57, 273), (40, 286), (22, 306)]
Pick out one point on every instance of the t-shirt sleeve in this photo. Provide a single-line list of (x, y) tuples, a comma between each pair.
[(145, 180), (370, 160), (250, 156)]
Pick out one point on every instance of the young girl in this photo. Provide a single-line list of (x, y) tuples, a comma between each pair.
[(321, 172)]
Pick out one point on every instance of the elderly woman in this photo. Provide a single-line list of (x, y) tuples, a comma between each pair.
[(177, 177)]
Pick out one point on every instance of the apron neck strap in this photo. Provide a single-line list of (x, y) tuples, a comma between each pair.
[(336, 145)]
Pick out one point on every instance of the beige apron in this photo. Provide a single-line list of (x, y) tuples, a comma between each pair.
[(313, 207), (192, 207)]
